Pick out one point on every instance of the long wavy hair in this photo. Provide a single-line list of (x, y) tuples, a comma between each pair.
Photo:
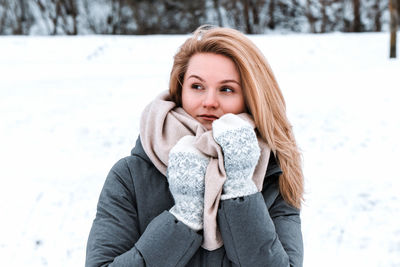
[(263, 98)]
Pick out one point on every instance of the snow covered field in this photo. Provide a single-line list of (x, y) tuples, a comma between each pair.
[(70, 108)]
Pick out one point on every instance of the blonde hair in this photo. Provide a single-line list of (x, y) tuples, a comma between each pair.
[(263, 98)]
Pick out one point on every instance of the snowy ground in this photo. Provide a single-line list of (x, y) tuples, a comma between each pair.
[(70, 108)]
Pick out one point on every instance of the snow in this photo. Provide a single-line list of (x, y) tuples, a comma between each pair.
[(70, 108)]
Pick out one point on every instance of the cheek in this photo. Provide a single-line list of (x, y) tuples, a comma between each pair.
[(235, 106), (188, 101)]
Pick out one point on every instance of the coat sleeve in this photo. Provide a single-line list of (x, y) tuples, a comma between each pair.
[(254, 235), (115, 240)]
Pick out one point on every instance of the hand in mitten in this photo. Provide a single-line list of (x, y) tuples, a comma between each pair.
[(239, 144), (186, 169)]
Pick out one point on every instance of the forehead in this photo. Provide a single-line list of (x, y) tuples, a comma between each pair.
[(212, 64)]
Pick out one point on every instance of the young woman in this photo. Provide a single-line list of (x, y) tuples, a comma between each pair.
[(215, 178)]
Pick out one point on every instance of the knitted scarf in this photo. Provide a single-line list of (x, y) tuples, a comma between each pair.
[(162, 125)]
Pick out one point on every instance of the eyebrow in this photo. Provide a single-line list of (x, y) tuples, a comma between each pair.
[(223, 81)]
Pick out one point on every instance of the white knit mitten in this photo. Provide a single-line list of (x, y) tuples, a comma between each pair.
[(186, 170), (241, 153)]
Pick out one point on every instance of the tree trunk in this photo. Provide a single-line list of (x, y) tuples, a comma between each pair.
[(393, 27), (271, 12), (74, 14), (3, 16), (217, 9), (310, 17), (398, 12), (377, 16), (255, 7), (22, 19), (357, 27), (249, 28), (324, 16)]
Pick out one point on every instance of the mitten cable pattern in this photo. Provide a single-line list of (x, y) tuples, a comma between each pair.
[(185, 173), (241, 153)]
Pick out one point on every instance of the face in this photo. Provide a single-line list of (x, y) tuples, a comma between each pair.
[(211, 88)]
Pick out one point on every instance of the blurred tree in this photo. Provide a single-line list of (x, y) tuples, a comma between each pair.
[(311, 15), (121, 19), (256, 16), (146, 16), (100, 16), (324, 15), (256, 7), (180, 16), (4, 9), (357, 25), (22, 19), (167, 16), (218, 11), (393, 27), (398, 12), (15, 17), (183, 16), (271, 14), (248, 24), (376, 15), (252, 10), (234, 13), (60, 16)]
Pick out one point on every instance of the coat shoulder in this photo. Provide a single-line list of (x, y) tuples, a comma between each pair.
[(137, 164)]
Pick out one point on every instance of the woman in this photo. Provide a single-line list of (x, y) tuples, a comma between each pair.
[(215, 178)]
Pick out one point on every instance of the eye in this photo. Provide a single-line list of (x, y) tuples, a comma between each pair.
[(227, 89), (196, 86)]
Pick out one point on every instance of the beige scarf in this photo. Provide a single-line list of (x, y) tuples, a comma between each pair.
[(162, 125)]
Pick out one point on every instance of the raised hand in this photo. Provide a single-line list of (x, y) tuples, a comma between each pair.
[(239, 144), (186, 170)]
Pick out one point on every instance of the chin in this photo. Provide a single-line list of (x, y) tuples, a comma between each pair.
[(208, 126), (206, 123)]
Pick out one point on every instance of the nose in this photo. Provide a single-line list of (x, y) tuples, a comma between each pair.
[(210, 99)]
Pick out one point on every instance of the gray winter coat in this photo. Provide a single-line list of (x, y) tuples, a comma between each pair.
[(134, 228)]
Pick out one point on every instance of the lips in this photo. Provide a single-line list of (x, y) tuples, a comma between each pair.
[(208, 117)]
